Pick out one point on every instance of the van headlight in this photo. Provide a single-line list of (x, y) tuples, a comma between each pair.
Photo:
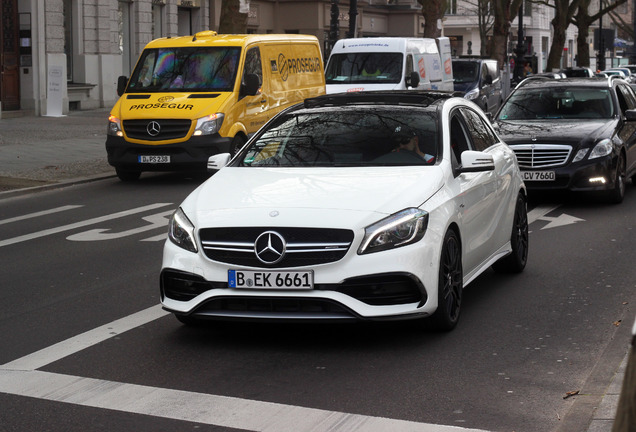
[(400, 229), (181, 231), (114, 126), (209, 125)]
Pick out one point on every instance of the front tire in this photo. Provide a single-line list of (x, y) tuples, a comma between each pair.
[(617, 194), (516, 261), (237, 144), (127, 175), (450, 284)]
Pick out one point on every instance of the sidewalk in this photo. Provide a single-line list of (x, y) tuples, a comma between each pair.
[(45, 150)]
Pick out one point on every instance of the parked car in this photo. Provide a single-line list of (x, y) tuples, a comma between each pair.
[(351, 206), (578, 72), (574, 134), (611, 72), (626, 71), (480, 80)]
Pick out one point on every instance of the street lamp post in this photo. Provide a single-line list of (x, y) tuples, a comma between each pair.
[(520, 49)]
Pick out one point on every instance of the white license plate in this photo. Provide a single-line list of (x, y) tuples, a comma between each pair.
[(270, 279), (539, 176), (154, 159)]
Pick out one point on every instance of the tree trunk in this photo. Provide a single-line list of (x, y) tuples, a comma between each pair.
[(563, 14), (432, 11), (232, 21), (498, 47)]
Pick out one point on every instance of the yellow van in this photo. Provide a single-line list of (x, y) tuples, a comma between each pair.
[(190, 97)]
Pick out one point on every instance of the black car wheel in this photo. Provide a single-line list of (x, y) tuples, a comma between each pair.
[(450, 285), (516, 261), (127, 175), (237, 144), (617, 194)]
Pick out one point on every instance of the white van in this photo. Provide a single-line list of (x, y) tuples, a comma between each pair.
[(389, 63)]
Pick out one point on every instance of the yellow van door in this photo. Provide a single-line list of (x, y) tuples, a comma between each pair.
[(256, 111)]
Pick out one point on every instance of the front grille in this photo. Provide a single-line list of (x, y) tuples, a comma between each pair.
[(168, 129), (541, 155), (305, 246)]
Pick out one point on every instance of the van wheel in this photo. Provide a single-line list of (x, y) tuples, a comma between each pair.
[(236, 145), (127, 175)]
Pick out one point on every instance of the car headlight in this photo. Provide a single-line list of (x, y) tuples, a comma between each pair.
[(602, 148), (181, 231), (209, 125), (471, 95), (400, 229), (114, 126)]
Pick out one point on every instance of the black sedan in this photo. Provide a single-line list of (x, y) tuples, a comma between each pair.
[(576, 134)]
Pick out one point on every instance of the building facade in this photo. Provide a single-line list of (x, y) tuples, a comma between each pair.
[(62, 55)]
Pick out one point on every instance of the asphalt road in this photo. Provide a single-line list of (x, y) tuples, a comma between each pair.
[(85, 346)]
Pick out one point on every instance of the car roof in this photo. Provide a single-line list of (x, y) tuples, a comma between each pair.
[(393, 97), (543, 82)]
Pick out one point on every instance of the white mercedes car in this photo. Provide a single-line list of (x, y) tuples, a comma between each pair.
[(359, 206)]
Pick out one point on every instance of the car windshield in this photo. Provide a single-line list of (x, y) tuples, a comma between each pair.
[(465, 72), (558, 103), (346, 137), (364, 68), (191, 69)]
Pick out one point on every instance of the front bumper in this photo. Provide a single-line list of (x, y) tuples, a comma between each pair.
[(382, 286), (587, 176), (190, 155)]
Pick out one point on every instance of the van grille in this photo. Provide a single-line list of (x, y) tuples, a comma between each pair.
[(541, 155), (167, 129)]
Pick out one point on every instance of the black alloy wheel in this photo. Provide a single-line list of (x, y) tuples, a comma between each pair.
[(450, 285), (516, 261), (616, 195), (237, 144)]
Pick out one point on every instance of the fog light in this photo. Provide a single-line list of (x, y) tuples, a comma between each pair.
[(600, 180)]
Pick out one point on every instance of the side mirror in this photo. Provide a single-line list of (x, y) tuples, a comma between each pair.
[(218, 161), (250, 85), (122, 82), (474, 161), (488, 80), (630, 114), (413, 80)]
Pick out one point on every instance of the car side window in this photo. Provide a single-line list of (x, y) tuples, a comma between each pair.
[(482, 136), (459, 138), (627, 99), (253, 64)]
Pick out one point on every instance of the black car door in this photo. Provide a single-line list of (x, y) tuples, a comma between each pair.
[(627, 132)]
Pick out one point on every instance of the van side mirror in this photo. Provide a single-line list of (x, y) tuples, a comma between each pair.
[(488, 79), (413, 80), (250, 85), (122, 82), (630, 114)]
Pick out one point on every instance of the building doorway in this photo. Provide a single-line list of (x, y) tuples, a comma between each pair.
[(10, 76)]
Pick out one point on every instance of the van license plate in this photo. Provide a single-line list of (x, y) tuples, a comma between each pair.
[(270, 279), (154, 159), (538, 176)]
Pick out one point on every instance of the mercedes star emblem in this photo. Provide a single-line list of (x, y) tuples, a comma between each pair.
[(269, 247), (153, 128)]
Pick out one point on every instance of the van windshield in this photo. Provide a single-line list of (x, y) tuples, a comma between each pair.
[(364, 68), (191, 69), (465, 72)]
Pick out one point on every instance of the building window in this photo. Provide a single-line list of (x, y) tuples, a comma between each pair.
[(451, 7), (184, 17), (125, 36), (68, 38), (157, 20)]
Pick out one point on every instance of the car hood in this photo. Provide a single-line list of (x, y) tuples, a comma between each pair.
[(336, 197), (554, 132)]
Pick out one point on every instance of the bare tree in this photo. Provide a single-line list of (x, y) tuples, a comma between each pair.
[(482, 9), (233, 20), (504, 12), (582, 20), (433, 11)]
